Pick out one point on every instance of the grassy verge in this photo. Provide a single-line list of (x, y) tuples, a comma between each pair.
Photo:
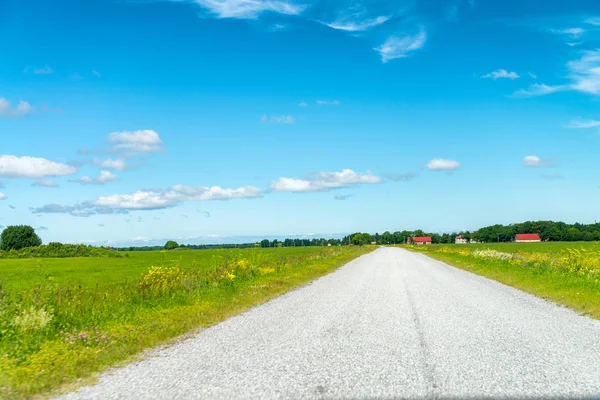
[(567, 275), (54, 332)]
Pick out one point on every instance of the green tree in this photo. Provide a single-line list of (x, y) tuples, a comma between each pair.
[(171, 244), (19, 236), (265, 243)]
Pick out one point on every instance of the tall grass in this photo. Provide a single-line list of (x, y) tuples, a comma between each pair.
[(566, 273), (54, 330)]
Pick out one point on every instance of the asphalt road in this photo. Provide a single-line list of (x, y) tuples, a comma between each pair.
[(391, 324)]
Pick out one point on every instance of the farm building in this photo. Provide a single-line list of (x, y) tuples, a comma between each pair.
[(419, 240), (527, 238), (461, 240)]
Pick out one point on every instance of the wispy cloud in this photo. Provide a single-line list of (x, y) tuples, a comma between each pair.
[(323, 181), (105, 177), (149, 200), (583, 124), (400, 47), (440, 164), (278, 119), (76, 76), (2, 196), (573, 32), (342, 196), (328, 102), (32, 167), (353, 24), (303, 104), (45, 183), (552, 176), (401, 177), (118, 164), (584, 75), (537, 162), (593, 21), (20, 110), (96, 74), (249, 9), (501, 73), (39, 71)]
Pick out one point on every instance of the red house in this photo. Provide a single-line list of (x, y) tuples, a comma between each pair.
[(527, 238), (419, 240)]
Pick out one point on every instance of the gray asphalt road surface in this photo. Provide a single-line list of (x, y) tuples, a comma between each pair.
[(391, 324)]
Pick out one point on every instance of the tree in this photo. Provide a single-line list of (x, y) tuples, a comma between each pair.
[(19, 236), (265, 243), (171, 244)]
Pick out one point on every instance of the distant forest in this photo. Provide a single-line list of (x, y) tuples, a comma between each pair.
[(548, 231)]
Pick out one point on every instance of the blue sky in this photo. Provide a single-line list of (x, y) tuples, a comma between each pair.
[(128, 121)]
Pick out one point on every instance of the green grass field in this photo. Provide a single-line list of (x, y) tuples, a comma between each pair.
[(567, 273), (63, 320)]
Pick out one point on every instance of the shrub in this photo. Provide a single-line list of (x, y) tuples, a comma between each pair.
[(19, 236), (171, 244), (32, 320)]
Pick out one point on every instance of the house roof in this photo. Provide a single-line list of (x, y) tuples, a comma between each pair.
[(459, 237), (528, 236), (419, 239)]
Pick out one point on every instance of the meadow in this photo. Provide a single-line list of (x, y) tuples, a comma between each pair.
[(567, 273), (63, 320)]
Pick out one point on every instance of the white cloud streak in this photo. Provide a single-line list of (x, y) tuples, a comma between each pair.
[(328, 102), (501, 73), (584, 75), (2, 196), (537, 162), (440, 164), (323, 181), (249, 9), (45, 183), (278, 119), (32, 167), (400, 47), (351, 25), (583, 124)]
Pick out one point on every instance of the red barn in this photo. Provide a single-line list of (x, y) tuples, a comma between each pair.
[(527, 238), (420, 240)]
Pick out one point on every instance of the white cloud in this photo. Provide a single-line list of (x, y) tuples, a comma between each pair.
[(278, 119), (154, 200), (45, 183), (136, 142), (20, 110), (329, 102), (323, 181), (118, 164), (584, 75), (32, 167), (40, 71), (354, 25), (96, 74), (105, 177), (532, 75), (439, 164), (76, 76), (593, 21), (574, 32), (539, 89), (303, 104), (535, 161), (249, 9), (583, 124), (553, 175), (501, 73), (140, 239), (400, 47), (2, 196)]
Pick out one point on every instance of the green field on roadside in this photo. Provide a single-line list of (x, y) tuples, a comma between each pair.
[(567, 273), (65, 319)]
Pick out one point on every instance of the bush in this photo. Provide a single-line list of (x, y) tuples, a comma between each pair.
[(17, 237), (59, 250), (171, 244)]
